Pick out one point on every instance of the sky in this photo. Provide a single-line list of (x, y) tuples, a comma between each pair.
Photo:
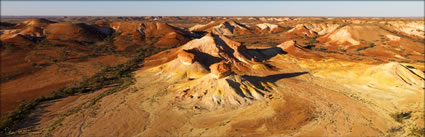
[(214, 8)]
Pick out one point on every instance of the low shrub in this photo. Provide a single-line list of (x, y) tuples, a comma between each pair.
[(400, 116), (417, 132)]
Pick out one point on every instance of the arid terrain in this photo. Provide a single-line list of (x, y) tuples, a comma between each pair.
[(212, 76)]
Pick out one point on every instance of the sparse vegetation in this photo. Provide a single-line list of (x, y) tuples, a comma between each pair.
[(286, 29), (400, 116), (256, 42), (126, 82), (272, 43), (7, 48), (371, 45), (312, 41), (108, 43), (11, 76), (158, 94), (421, 61), (395, 129), (63, 54), (359, 54), (404, 36), (417, 132), (342, 50), (119, 77), (321, 49)]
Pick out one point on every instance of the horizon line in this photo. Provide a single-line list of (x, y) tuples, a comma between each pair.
[(205, 16)]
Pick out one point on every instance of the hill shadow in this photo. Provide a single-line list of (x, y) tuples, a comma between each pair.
[(206, 60), (266, 54), (236, 86), (256, 80), (33, 119)]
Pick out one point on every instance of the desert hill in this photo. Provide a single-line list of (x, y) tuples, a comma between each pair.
[(156, 33), (301, 31), (227, 28), (268, 28), (73, 32), (210, 58)]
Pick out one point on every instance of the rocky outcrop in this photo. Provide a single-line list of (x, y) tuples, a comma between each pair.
[(288, 45), (220, 70), (268, 28), (185, 57)]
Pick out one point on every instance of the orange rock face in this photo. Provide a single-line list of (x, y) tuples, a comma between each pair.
[(289, 46), (186, 57), (292, 48), (220, 69)]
